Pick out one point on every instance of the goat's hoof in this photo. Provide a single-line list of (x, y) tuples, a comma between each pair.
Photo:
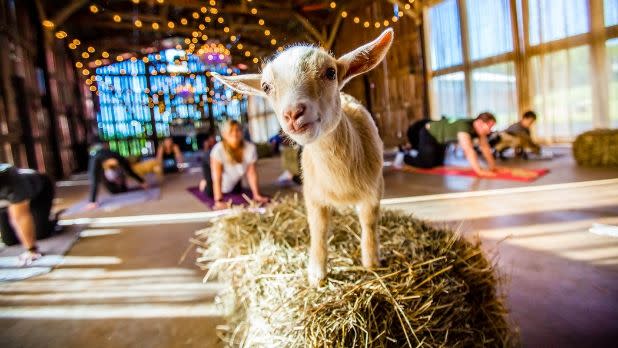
[(371, 262), (316, 275)]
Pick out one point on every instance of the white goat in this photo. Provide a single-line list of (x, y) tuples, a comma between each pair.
[(342, 155)]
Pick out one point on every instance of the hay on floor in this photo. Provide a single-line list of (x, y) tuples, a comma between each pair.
[(436, 290), (597, 148)]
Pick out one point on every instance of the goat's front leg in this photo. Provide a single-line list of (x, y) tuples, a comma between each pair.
[(368, 214), (318, 251)]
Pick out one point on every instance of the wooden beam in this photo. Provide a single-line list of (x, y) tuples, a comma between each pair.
[(66, 12), (310, 28), (333, 32)]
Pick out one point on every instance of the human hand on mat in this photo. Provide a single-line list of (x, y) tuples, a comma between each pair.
[(220, 205), (28, 257), (92, 205), (483, 172), (261, 199)]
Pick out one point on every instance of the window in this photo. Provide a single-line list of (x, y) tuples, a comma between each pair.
[(561, 92), (141, 97), (446, 34), (610, 8), (493, 89), (451, 91), (556, 19), (612, 58), (489, 28), (478, 69)]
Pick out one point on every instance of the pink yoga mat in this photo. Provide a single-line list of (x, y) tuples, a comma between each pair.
[(512, 174)]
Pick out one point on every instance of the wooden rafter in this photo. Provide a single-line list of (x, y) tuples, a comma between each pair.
[(67, 11)]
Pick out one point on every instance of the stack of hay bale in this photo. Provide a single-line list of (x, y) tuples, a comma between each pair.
[(436, 289), (597, 148)]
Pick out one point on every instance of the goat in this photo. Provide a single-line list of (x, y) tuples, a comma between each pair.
[(342, 155)]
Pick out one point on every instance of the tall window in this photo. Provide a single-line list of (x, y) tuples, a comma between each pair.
[(471, 65), (139, 99), (509, 56)]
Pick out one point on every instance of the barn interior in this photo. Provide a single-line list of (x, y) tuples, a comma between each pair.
[(138, 78)]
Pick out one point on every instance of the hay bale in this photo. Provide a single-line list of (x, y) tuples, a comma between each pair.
[(436, 290), (597, 148)]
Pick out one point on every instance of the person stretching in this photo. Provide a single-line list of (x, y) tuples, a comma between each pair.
[(111, 169), (230, 160), (169, 156), (429, 139), (25, 204)]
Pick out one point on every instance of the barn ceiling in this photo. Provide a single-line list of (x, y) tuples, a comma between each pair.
[(137, 27)]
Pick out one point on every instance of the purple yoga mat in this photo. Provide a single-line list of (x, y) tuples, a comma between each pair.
[(236, 198)]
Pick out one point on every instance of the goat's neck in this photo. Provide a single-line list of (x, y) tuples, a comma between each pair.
[(340, 143)]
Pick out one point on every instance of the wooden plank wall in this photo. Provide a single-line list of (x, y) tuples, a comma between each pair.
[(44, 113), (396, 87)]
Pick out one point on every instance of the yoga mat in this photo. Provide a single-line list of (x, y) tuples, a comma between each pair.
[(116, 201), (512, 174), (53, 249), (235, 198)]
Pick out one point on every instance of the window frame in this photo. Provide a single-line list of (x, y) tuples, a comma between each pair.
[(523, 52)]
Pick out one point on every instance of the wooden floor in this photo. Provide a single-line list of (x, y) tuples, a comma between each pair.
[(126, 286)]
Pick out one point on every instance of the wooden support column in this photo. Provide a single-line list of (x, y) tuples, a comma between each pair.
[(51, 99)]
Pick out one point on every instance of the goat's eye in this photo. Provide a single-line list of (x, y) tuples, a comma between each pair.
[(331, 73), (266, 87)]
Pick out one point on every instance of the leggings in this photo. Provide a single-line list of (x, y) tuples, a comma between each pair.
[(208, 177), (430, 152), (40, 207)]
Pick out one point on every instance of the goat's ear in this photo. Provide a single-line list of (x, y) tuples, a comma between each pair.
[(244, 84), (364, 58)]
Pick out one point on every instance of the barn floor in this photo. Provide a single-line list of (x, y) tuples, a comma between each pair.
[(127, 285)]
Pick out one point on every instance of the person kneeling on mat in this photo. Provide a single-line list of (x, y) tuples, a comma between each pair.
[(518, 137), (25, 204), (429, 140), (111, 169), (169, 156), (230, 160)]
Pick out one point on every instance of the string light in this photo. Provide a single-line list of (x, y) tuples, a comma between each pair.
[(155, 26), (170, 25), (47, 24), (61, 34), (91, 49), (94, 8), (183, 21), (117, 18), (376, 24)]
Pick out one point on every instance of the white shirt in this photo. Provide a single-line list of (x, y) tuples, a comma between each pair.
[(233, 172)]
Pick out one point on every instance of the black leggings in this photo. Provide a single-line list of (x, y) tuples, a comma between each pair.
[(208, 177), (40, 207), (430, 152)]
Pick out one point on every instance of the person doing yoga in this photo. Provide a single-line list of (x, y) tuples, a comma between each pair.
[(429, 139), (111, 169), (230, 160)]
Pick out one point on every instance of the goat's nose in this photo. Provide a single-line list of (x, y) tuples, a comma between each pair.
[(292, 113)]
